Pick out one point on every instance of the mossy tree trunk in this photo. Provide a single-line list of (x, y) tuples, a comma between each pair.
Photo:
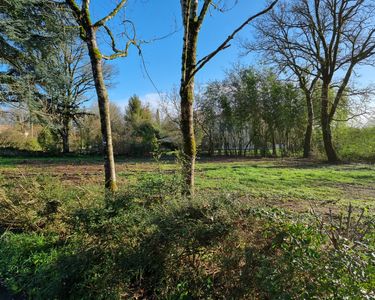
[(65, 134), (326, 125), (193, 16), (189, 58), (103, 104), (88, 34)]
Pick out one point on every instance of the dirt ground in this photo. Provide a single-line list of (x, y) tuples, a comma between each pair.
[(80, 172)]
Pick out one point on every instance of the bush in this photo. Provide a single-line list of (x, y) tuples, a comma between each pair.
[(133, 246), (32, 144), (356, 144), (11, 138), (48, 141)]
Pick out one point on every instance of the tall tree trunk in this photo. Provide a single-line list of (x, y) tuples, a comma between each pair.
[(65, 135), (326, 126), (189, 60), (265, 147), (65, 140), (189, 146), (31, 126), (274, 151), (103, 103), (307, 152), (211, 146)]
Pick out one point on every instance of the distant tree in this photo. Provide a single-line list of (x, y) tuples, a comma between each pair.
[(67, 81), (140, 126), (324, 40), (276, 40), (251, 109), (193, 16), (207, 116), (135, 112), (90, 140)]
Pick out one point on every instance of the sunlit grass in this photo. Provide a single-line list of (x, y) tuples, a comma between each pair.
[(274, 180)]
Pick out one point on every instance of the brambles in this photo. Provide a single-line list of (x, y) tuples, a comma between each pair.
[(174, 248)]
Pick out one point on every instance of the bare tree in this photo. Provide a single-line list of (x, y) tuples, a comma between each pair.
[(89, 30), (324, 40), (193, 16), (275, 40)]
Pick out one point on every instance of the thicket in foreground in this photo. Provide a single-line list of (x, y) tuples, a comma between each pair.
[(149, 243)]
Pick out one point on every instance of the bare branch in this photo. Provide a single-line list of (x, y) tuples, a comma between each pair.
[(110, 15), (201, 63)]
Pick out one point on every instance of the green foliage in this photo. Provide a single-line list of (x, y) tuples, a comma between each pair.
[(23, 48), (48, 141), (140, 128), (31, 204), (304, 264), (251, 111), (220, 247), (356, 144), (32, 144), (12, 138)]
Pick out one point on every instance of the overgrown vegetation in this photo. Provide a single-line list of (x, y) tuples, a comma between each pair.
[(148, 242), (239, 214)]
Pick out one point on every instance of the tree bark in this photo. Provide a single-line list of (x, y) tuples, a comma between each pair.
[(189, 146), (103, 103), (211, 146), (189, 60), (307, 152), (274, 151), (65, 135), (326, 126)]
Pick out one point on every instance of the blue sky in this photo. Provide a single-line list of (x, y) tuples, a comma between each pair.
[(156, 18)]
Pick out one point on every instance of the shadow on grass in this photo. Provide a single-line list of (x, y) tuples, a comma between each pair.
[(161, 252), (137, 246)]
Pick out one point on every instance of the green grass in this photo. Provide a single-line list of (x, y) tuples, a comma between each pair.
[(292, 182), (340, 184), (61, 238), (283, 181)]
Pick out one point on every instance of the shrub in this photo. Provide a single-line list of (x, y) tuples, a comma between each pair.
[(357, 144), (12, 138), (132, 246), (32, 144), (48, 141)]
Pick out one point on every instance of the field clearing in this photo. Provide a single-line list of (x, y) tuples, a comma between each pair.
[(293, 184), (249, 221)]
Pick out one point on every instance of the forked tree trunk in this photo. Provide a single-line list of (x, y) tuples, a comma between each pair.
[(307, 151), (193, 15), (103, 103), (326, 126)]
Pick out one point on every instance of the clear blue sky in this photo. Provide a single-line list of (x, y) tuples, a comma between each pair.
[(156, 18)]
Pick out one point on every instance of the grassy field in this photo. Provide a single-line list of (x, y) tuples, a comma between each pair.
[(292, 184), (246, 235)]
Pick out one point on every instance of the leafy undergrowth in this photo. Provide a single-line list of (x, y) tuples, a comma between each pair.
[(149, 243)]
